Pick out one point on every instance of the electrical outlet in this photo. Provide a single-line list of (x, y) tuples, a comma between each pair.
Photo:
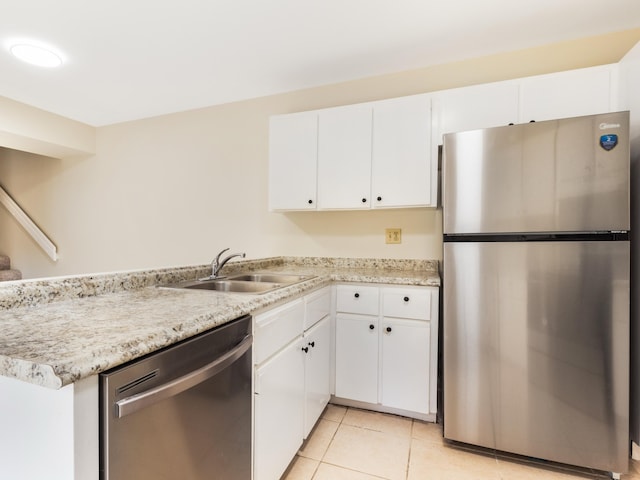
[(393, 235)]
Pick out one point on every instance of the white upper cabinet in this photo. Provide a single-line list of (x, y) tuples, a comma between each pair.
[(384, 154), (478, 106), (402, 173), (370, 155), (572, 93), (629, 94), (344, 157), (293, 158)]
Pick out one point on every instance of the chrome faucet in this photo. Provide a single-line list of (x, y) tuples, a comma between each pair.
[(217, 264)]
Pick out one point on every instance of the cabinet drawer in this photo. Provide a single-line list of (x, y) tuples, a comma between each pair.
[(357, 299), (276, 328), (317, 306), (406, 303)]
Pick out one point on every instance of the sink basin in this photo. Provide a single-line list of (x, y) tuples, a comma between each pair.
[(255, 283), (233, 286), (284, 278)]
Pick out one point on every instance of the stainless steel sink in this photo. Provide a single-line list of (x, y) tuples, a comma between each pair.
[(233, 286), (284, 278), (255, 283)]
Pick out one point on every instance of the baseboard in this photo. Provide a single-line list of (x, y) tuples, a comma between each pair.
[(430, 417)]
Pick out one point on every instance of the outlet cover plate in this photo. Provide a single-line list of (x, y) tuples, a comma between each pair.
[(393, 235)]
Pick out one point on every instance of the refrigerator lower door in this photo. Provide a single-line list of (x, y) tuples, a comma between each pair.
[(536, 349)]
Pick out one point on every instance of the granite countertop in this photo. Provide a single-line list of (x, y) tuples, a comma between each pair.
[(57, 331)]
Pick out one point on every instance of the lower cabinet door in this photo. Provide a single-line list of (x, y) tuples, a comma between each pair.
[(279, 412), (405, 364), (357, 357), (317, 387)]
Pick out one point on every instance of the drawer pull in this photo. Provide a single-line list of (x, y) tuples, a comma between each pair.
[(305, 349), (312, 344), (357, 295), (371, 327), (388, 329), (406, 299)]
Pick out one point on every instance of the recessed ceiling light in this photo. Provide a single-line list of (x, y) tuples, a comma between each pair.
[(36, 55)]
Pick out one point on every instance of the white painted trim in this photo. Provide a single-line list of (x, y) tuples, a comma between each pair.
[(32, 229)]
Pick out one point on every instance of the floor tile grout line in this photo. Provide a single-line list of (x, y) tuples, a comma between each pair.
[(406, 472), (352, 470), (328, 445), (315, 471), (501, 460)]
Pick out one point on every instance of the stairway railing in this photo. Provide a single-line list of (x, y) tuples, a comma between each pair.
[(32, 229)]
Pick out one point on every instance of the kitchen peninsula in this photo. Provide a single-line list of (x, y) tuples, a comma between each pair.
[(58, 334)]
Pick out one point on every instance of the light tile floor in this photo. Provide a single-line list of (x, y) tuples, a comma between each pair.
[(352, 444)]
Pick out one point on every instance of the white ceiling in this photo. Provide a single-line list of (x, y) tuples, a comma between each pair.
[(131, 59)]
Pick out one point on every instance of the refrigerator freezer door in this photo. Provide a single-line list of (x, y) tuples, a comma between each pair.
[(536, 349), (569, 175)]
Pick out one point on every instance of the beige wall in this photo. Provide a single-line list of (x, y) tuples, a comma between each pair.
[(173, 190)]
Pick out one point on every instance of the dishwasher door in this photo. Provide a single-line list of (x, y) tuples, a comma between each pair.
[(183, 413)]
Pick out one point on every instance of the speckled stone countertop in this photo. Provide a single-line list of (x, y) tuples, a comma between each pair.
[(59, 330)]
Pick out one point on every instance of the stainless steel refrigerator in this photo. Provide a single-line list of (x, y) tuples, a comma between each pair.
[(536, 289)]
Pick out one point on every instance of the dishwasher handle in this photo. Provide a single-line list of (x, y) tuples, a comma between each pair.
[(132, 404)]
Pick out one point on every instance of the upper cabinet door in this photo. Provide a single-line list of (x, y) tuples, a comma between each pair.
[(344, 157), (293, 159), (401, 165), (471, 108), (566, 94)]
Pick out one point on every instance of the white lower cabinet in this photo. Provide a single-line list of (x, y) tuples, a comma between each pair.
[(291, 358), (317, 386), (386, 359), (404, 364), (279, 411), (357, 357)]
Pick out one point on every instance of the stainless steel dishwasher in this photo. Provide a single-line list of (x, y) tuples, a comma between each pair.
[(181, 413)]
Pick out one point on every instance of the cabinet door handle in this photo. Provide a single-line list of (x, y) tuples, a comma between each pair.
[(388, 329), (364, 200), (379, 199), (357, 295), (372, 326), (312, 344), (406, 299), (305, 349), (310, 202)]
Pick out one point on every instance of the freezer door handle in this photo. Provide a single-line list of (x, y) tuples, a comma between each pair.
[(132, 404)]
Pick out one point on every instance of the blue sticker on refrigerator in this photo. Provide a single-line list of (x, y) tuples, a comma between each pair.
[(608, 142)]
